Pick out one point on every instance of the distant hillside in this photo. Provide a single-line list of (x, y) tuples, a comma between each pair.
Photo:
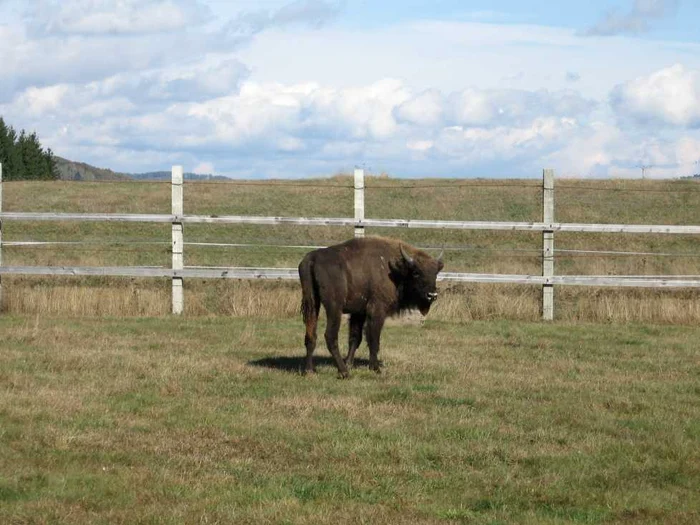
[(166, 175), (70, 170)]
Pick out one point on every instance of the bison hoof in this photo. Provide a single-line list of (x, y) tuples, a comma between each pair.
[(344, 375)]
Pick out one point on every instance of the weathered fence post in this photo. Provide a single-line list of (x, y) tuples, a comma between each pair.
[(359, 201), (178, 238), (548, 245)]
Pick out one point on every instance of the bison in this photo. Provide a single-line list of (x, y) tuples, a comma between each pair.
[(370, 279)]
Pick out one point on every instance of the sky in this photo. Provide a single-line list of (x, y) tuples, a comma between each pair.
[(280, 88)]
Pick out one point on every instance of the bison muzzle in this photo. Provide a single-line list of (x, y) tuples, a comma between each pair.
[(369, 278)]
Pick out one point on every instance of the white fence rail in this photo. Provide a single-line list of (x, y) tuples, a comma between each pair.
[(291, 274), (362, 223), (178, 271)]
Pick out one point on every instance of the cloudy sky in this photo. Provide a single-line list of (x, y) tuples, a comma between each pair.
[(280, 88)]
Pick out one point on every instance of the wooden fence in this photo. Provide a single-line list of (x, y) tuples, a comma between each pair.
[(178, 272)]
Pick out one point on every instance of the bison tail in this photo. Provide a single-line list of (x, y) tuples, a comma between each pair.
[(309, 290)]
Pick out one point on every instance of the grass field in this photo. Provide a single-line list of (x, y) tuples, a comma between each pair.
[(163, 420), (111, 411)]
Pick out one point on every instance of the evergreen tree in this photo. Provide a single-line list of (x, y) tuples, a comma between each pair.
[(22, 156), (9, 155), (4, 146), (51, 168)]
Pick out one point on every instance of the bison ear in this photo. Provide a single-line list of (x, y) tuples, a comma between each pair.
[(406, 257)]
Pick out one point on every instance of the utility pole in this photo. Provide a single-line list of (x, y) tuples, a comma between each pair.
[(644, 168)]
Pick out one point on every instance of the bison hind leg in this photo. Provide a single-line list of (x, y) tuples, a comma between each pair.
[(357, 322), (374, 331), (310, 337), (310, 343), (334, 316)]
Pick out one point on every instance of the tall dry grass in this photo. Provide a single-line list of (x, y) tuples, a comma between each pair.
[(117, 297)]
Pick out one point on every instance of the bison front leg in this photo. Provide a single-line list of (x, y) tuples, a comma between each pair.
[(332, 329), (357, 323), (374, 331)]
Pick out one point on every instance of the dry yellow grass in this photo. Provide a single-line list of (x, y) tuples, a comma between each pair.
[(66, 297)]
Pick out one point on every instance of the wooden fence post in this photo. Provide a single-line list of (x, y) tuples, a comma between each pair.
[(548, 244), (359, 201), (178, 238)]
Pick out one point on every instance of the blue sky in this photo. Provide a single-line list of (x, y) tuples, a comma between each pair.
[(360, 14), (280, 88), (575, 15)]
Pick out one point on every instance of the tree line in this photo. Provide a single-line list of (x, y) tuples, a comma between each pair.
[(22, 156)]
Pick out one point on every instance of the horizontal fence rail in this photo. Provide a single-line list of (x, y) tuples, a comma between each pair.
[(561, 252), (292, 274), (178, 271), (347, 221)]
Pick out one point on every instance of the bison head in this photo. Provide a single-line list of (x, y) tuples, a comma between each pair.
[(420, 278)]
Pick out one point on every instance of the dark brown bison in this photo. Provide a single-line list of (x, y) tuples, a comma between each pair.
[(370, 279)]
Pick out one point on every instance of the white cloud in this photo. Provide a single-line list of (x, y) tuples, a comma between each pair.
[(125, 94), (81, 41), (410, 99), (307, 12), (453, 56), (39, 101), (192, 83), (637, 20), (99, 17), (669, 97), (488, 107), (26, 61), (425, 109), (420, 145), (288, 117), (204, 168), (572, 76), (322, 128)]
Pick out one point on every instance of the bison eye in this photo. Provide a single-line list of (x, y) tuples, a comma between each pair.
[(416, 274)]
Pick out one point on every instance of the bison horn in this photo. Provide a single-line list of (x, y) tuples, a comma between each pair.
[(405, 255), (442, 253)]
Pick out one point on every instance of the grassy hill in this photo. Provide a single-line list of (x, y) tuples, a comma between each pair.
[(641, 202), (166, 175), (69, 170), (79, 171)]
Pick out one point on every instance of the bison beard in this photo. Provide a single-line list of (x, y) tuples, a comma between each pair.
[(370, 279)]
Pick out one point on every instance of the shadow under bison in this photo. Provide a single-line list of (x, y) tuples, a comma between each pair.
[(296, 364)]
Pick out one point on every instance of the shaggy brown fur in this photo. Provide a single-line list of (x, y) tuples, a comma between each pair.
[(370, 279)]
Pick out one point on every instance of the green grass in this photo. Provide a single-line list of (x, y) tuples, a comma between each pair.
[(208, 420)]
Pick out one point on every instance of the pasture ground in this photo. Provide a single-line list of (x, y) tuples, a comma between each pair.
[(207, 420)]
